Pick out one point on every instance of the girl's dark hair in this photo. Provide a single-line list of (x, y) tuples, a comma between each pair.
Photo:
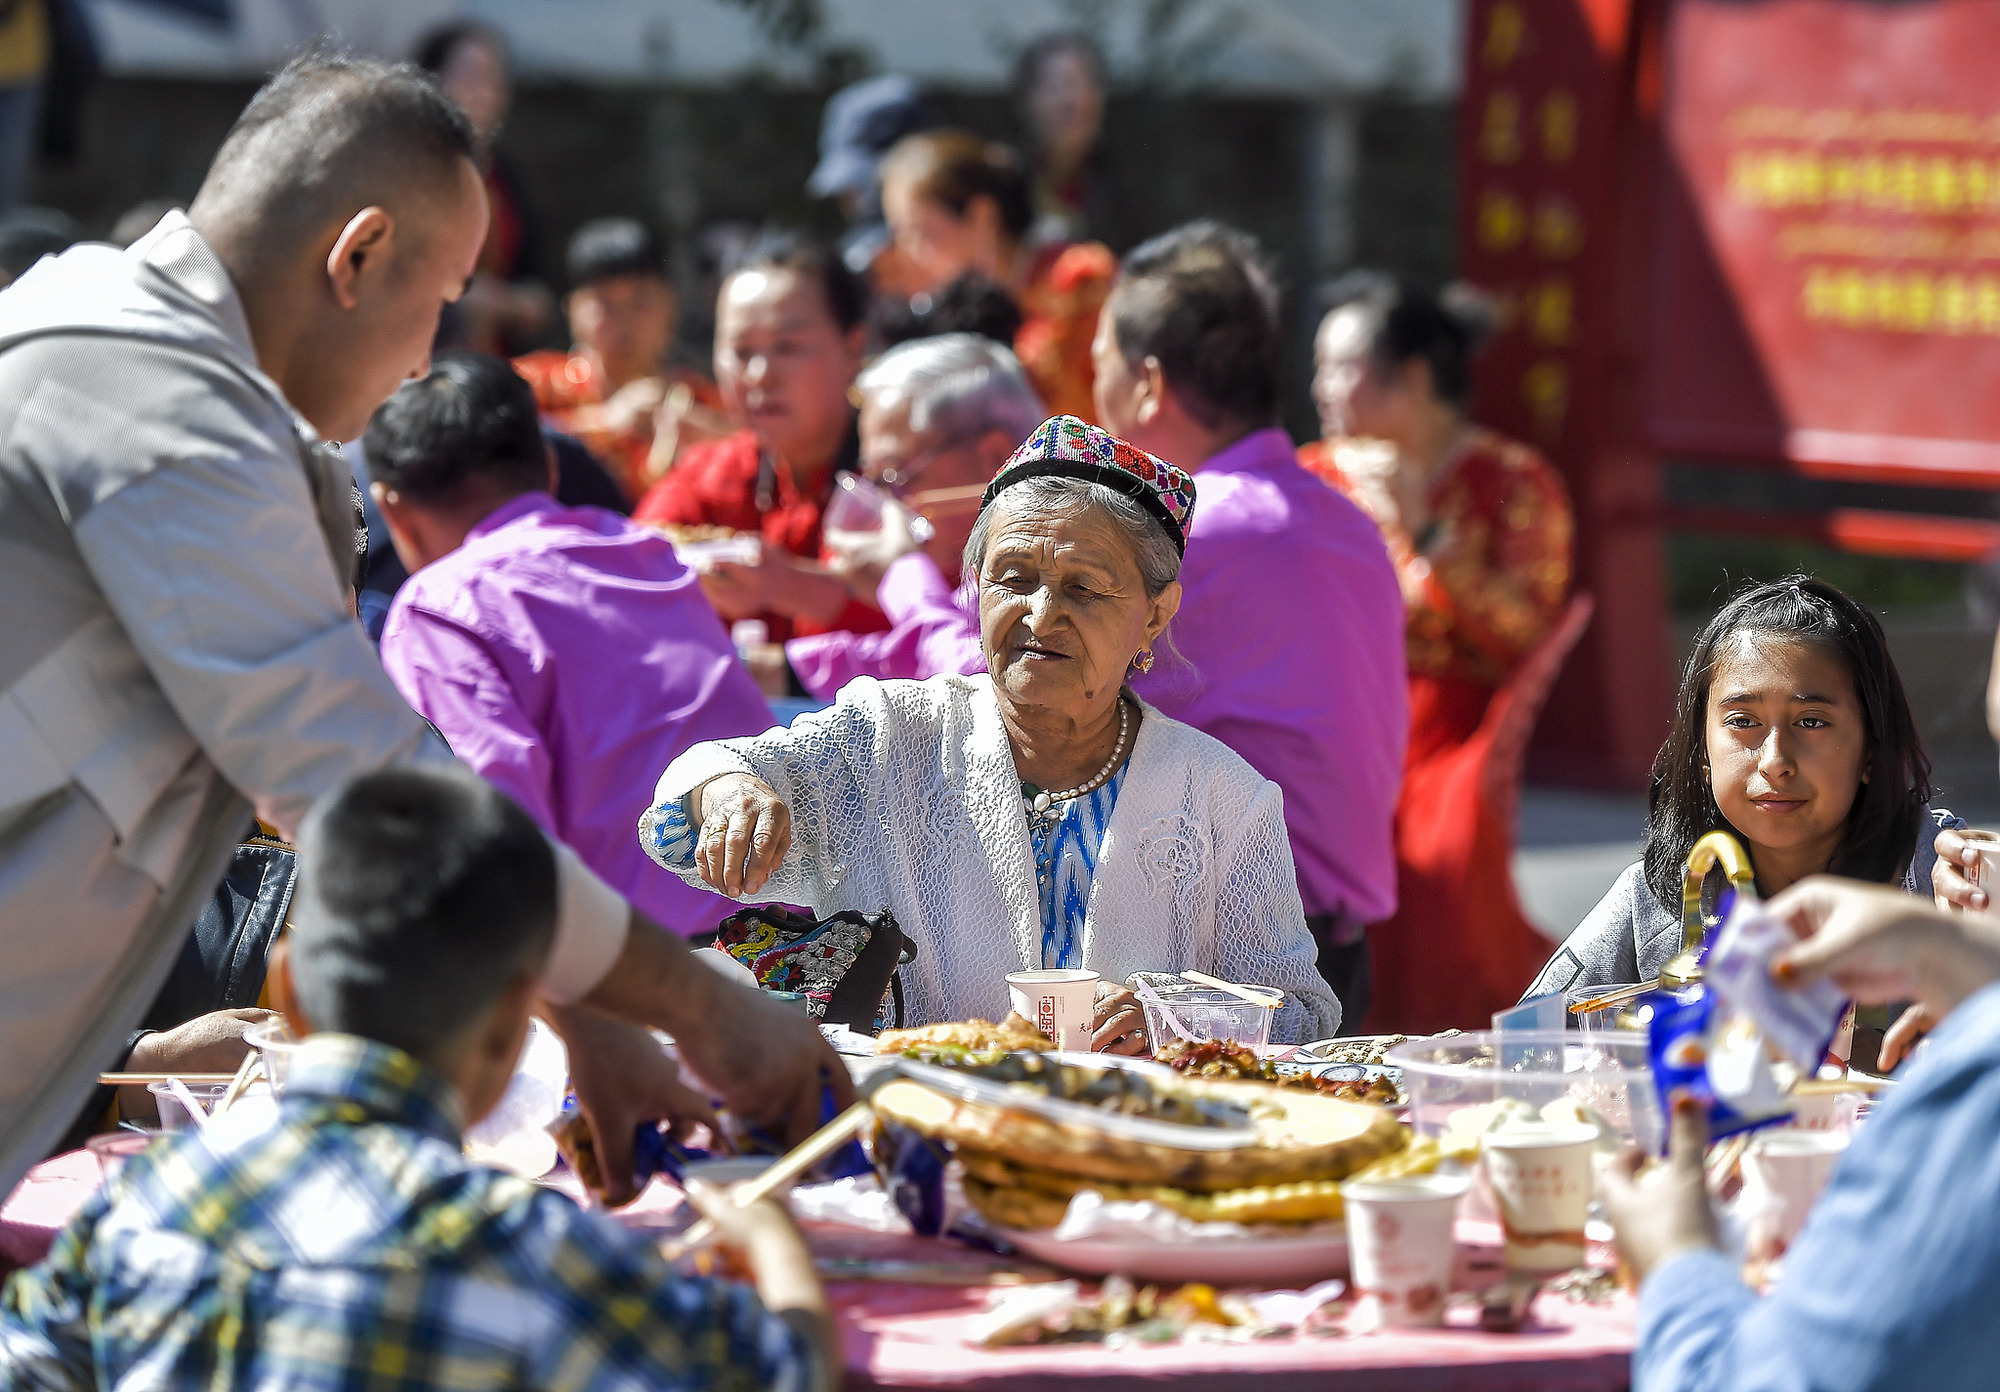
[(1888, 813), (434, 50), (1406, 321), (780, 249), (952, 167), (1028, 67)]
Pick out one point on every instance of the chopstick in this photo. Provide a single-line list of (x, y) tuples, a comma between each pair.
[(1624, 995), (141, 1079), (247, 1072), (810, 1152), (1254, 997)]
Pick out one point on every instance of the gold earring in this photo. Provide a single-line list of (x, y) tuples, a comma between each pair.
[(1144, 661)]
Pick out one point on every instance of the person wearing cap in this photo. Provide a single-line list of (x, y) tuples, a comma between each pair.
[(1038, 814), (862, 120)]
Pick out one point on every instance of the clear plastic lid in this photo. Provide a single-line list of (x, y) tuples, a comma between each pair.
[(1018, 1097)]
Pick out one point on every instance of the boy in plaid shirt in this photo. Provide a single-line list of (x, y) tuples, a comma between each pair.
[(348, 1243)]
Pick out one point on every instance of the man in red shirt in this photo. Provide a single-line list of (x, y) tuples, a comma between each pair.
[(789, 338)]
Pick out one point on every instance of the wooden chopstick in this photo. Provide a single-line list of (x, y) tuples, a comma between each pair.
[(247, 1072), (141, 1079), (1254, 997), (809, 1152)]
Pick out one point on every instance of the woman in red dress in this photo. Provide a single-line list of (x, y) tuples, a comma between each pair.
[(789, 336), (957, 203), (1479, 527)]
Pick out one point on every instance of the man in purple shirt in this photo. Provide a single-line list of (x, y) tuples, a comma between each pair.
[(565, 653), (938, 417), (1291, 623)]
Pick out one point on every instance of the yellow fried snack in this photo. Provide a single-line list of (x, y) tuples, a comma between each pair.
[(1023, 1197), (1012, 1033), (1421, 1157)]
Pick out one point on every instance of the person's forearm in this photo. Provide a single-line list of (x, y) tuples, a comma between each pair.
[(790, 1290), (810, 591), (656, 981)]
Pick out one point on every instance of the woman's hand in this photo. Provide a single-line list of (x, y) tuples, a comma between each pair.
[(1880, 945), (746, 832), (779, 583), (1956, 855), (1118, 1024), (622, 1077), (1900, 1040), (1666, 1210)]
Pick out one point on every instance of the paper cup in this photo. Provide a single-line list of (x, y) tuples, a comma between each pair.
[(1541, 1179), (1057, 1001), (1783, 1172), (1399, 1244)]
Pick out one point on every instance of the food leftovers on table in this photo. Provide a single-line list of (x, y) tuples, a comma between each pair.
[(1227, 1059), (1122, 1312), (1012, 1033)]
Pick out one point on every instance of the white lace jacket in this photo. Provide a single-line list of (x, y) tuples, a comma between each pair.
[(904, 796)]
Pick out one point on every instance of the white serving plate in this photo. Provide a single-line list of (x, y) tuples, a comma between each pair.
[(1269, 1263)]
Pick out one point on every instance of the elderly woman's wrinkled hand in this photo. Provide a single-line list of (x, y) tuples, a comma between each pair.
[(1118, 1024), (746, 831)]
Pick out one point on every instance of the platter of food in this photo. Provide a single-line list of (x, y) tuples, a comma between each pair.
[(1197, 1164)]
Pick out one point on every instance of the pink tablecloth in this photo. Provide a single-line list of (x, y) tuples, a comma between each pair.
[(899, 1335)]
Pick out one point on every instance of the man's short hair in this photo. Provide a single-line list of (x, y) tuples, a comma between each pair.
[(957, 386), (423, 895), (472, 419), (329, 135), (1201, 300), (612, 247)]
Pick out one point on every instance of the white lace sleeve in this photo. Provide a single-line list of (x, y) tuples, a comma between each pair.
[(824, 769), (1260, 923)]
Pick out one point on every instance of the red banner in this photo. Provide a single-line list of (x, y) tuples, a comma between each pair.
[(1828, 263)]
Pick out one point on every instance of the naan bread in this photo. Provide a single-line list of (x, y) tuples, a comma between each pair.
[(1300, 1136), (1011, 1034)]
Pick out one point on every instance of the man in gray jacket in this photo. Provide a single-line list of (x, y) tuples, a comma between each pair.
[(175, 645)]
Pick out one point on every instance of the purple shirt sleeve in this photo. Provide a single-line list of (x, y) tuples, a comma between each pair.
[(935, 630), (451, 679)]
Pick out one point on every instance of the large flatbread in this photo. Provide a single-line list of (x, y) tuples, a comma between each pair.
[(1012, 1033), (1300, 1136), (1016, 1196)]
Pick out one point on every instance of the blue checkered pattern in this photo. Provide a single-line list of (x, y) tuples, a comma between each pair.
[(348, 1244)]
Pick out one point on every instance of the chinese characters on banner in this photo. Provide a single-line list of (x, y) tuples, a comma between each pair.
[(1541, 141), (1535, 127), (1842, 164)]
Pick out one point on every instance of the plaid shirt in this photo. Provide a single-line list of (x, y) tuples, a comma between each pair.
[(348, 1244)]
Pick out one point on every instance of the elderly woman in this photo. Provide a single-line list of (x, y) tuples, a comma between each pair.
[(1039, 815)]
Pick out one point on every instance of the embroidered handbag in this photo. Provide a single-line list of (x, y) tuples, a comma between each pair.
[(845, 966)]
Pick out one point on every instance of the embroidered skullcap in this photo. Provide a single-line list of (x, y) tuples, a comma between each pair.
[(1065, 447)]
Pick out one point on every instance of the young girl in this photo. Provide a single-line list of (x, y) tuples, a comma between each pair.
[(1792, 732)]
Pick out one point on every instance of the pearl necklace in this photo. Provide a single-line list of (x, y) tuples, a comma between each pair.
[(1040, 800)]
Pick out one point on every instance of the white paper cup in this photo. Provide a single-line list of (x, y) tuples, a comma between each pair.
[(1783, 1172), (1400, 1249), (1057, 1001), (1541, 1179)]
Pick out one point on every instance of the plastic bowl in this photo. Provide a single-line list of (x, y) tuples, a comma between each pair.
[(275, 1043), (1207, 1013), (173, 1112), (1607, 1071)]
